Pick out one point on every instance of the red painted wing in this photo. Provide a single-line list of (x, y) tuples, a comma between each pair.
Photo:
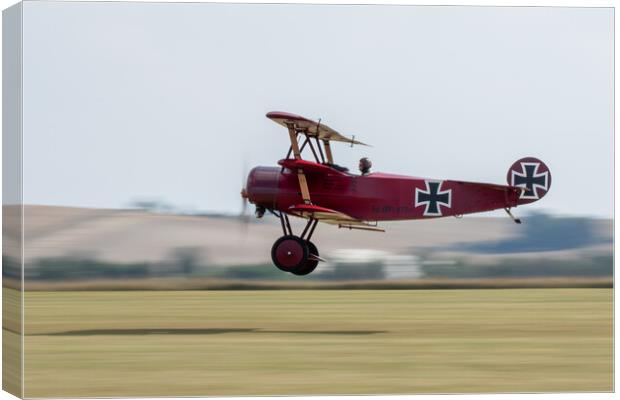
[(308, 166)]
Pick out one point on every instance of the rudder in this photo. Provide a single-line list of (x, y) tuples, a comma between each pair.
[(533, 175)]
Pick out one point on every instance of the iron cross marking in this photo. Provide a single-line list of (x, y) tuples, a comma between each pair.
[(531, 179), (433, 197)]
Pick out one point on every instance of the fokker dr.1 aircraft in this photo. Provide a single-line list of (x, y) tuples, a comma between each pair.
[(321, 191)]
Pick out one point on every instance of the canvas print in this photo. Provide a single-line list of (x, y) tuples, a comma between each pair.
[(205, 199)]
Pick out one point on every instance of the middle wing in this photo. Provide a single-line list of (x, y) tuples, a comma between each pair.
[(332, 217), (309, 166)]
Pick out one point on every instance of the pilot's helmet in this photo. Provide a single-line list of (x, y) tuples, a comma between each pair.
[(365, 165)]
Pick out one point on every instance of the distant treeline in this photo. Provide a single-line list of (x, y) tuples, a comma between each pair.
[(590, 266), (67, 268), (71, 269), (543, 232), (80, 269), (339, 272)]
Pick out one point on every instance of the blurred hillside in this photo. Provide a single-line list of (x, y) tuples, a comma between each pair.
[(63, 243)]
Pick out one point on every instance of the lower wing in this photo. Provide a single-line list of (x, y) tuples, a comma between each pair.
[(332, 217)]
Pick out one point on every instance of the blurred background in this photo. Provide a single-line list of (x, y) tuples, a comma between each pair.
[(153, 240)]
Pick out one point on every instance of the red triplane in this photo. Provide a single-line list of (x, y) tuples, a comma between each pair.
[(322, 191)]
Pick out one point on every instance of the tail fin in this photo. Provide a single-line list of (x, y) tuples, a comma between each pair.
[(531, 174)]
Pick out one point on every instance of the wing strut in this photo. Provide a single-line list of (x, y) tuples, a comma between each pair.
[(303, 184), (328, 151)]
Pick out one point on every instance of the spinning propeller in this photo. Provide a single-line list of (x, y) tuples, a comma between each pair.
[(243, 214)]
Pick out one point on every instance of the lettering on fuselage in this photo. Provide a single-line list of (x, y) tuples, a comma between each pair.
[(390, 209), (433, 198)]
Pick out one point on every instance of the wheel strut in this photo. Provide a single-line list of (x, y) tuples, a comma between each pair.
[(286, 225), (310, 225), (282, 223)]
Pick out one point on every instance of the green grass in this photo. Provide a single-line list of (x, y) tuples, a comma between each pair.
[(155, 343)]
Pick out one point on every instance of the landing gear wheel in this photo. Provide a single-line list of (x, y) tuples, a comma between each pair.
[(290, 253), (310, 264)]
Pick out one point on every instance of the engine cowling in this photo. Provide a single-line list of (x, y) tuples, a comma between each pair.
[(262, 186)]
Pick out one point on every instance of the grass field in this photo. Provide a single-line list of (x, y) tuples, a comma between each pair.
[(155, 343)]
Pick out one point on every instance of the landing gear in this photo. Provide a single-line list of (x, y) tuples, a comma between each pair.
[(290, 253), (295, 254)]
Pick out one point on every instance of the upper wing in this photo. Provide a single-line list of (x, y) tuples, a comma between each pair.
[(330, 216), (309, 127)]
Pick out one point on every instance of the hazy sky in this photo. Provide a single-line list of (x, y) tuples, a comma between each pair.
[(126, 101)]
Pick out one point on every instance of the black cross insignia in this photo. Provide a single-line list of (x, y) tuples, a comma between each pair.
[(530, 179), (433, 197)]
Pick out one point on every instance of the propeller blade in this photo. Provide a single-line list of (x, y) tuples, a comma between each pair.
[(244, 217)]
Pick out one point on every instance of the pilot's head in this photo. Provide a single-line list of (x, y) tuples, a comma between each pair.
[(365, 165)]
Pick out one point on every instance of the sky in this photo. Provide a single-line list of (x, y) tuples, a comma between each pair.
[(134, 101)]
